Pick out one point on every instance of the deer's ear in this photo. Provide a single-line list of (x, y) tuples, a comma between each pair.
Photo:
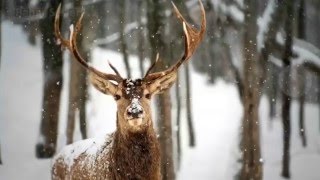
[(162, 83), (103, 85)]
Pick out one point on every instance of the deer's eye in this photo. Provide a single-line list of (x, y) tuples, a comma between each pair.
[(117, 97), (148, 95)]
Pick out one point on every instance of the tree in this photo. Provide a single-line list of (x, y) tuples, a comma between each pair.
[(141, 44), (271, 47), (176, 45), (78, 82), (0, 156), (123, 44), (301, 35), (192, 139), (286, 99), (178, 121), (0, 51), (251, 167), (273, 90), (155, 24), (52, 69), (1, 3)]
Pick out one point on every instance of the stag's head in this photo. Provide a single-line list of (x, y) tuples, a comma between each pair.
[(133, 96)]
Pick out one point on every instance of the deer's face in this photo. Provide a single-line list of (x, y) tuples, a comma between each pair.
[(133, 101)]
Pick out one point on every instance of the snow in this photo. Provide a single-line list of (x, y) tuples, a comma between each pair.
[(230, 10), (217, 116), (264, 22), (88, 147), (116, 36), (20, 105), (216, 127), (306, 52), (305, 162)]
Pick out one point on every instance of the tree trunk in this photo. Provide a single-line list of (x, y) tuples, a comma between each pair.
[(0, 156), (1, 4), (166, 144), (77, 88), (77, 100), (319, 99), (177, 129), (251, 167), (301, 35), (52, 67), (0, 52), (273, 91), (302, 129), (123, 44), (286, 99), (156, 16), (141, 45), (178, 121), (192, 141)]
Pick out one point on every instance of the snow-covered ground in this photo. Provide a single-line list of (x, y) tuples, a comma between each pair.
[(217, 116)]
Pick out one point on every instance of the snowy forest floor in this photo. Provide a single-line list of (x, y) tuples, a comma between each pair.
[(217, 116)]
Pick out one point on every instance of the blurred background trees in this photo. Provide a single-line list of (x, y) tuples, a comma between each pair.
[(52, 69), (266, 48)]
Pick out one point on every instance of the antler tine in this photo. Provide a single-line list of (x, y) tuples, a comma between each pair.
[(114, 69), (193, 37), (71, 44)]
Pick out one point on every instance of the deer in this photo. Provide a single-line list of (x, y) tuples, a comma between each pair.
[(132, 150)]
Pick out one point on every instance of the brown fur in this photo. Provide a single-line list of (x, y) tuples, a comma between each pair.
[(135, 156), (126, 155)]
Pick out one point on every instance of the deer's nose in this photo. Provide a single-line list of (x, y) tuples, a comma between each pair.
[(135, 110), (135, 113)]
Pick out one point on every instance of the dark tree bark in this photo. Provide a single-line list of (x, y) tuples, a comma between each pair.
[(52, 68), (0, 156), (286, 99), (319, 99), (78, 84), (301, 35), (155, 24), (251, 167), (192, 140), (273, 79), (141, 43), (178, 106), (1, 4), (302, 129), (178, 121), (123, 43)]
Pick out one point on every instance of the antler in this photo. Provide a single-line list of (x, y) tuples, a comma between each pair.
[(71, 44), (193, 37)]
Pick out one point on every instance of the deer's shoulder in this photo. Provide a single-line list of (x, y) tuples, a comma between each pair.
[(84, 150)]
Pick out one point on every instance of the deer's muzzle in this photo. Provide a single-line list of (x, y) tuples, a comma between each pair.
[(135, 110)]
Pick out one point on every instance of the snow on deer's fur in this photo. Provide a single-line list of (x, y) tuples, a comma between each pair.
[(132, 151)]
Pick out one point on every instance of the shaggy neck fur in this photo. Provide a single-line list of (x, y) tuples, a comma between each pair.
[(135, 156)]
